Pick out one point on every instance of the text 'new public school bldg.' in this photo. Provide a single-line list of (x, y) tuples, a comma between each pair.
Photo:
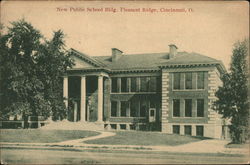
[(168, 92)]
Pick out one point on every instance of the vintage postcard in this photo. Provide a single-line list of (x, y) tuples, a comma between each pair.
[(124, 82)]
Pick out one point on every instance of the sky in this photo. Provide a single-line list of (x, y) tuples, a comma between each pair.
[(209, 28)]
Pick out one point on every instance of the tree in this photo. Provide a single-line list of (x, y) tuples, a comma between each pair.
[(31, 66), (233, 101)]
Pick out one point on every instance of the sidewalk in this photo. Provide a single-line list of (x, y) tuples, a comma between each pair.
[(204, 146)]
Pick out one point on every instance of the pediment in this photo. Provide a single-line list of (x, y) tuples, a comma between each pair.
[(80, 63), (84, 61)]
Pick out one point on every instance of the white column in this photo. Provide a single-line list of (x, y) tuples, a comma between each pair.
[(193, 130), (75, 111), (65, 90), (100, 98), (182, 131), (83, 98)]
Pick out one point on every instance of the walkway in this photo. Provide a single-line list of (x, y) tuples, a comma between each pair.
[(204, 146), (80, 141)]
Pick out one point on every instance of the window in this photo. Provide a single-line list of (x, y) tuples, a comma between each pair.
[(176, 108), (152, 104), (152, 113), (199, 130), (188, 107), (188, 130), (188, 80), (200, 80), (122, 126), (124, 84), (133, 85), (177, 80), (200, 108), (134, 106), (143, 108), (176, 129), (113, 108), (124, 107), (152, 84), (144, 84), (114, 85)]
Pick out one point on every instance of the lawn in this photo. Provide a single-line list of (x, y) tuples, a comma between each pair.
[(42, 136), (144, 138), (232, 145)]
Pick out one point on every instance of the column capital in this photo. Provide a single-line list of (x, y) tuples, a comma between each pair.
[(83, 76)]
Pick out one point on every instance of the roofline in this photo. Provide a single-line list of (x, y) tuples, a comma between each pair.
[(218, 64), (87, 58)]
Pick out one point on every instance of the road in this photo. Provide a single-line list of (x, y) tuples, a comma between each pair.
[(42, 156)]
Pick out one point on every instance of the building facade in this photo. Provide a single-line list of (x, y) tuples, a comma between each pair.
[(169, 92)]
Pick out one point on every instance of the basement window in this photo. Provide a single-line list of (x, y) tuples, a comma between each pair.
[(199, 130), (188, 130), (176, 129), (122, 126)]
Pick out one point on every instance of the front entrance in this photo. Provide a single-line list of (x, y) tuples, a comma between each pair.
[(85, 110), (92, 98)]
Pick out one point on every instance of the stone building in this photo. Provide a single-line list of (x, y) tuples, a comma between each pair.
[(168, 92)]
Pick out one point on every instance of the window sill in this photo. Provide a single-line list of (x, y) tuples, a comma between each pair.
[(128, 117), (181, 90), (121, 93), (193, 117)]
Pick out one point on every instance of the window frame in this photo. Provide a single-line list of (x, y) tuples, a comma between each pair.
[(173, 82), (176, 126), (117, 84), (197, 80), (186, 83), (188, 126), (174, 108), (185, 101), (116, 108), (197, 109), (126, 103), (199, 126)]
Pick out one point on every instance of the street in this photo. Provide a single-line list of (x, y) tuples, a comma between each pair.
[(72, 156)]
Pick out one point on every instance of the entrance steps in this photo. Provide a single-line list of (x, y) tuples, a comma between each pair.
[(67, 125)]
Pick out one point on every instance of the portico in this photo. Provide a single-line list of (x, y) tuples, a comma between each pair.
[(91, 91)]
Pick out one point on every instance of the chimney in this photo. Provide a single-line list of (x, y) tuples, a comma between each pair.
[(172, 51), (116, 54)]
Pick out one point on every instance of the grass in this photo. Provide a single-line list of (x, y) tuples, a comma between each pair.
[(42, 136), (232, 145), (144, 138)]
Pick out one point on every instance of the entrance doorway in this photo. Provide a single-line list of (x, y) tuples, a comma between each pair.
[(92, 98)]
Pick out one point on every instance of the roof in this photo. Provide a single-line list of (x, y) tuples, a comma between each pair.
[(152, 61), (134, 61)]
